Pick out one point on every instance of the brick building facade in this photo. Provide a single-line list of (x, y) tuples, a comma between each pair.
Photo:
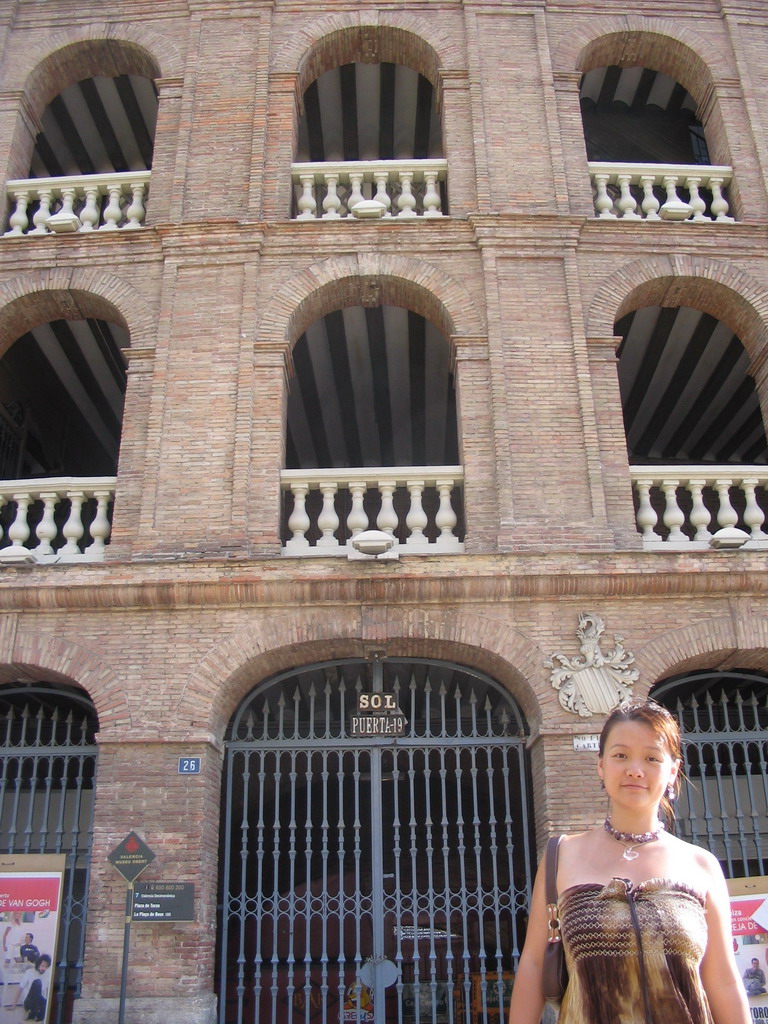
[(489, 278)]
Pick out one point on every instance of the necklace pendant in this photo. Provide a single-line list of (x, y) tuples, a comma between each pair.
[(630, 854)]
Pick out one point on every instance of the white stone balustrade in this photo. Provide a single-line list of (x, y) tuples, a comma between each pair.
[(354, 500), (368, 189), (91, 202), (625, 191), (699, 507), (56, 519)]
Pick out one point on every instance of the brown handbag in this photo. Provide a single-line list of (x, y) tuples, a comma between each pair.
[(555, 973)]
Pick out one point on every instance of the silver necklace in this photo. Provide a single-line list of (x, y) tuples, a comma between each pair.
[(632, 839)]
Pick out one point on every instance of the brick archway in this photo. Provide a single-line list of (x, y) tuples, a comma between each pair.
[(26, 302), (228, 672), (723, 290)]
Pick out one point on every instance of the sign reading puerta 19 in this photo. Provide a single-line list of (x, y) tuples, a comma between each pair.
[(30, 908), (377, 715)]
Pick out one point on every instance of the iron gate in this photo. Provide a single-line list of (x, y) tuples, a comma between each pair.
[(379, 877), (47, 773), (723, 718)]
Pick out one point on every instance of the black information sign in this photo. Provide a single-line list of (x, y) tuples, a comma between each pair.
[(163, 901), (131, 856)]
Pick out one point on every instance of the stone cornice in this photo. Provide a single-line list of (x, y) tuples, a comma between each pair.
[(442, 581)]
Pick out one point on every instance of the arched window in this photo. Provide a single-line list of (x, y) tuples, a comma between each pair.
[(370, 139), (372, 435)]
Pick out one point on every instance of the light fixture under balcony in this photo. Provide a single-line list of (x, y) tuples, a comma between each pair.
[(373, 544), (63, 222), (368, 209), (729, 537)]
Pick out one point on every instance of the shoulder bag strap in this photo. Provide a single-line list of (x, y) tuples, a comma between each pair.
[(553, 848)]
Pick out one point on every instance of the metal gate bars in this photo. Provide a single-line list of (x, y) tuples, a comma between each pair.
[(723, 718), (47, 771), (376, 847)]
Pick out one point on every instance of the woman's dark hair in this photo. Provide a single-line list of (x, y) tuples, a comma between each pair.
[(664, 725)]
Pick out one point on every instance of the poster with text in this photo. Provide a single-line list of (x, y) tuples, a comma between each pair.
[(749, 926), (30, 908)]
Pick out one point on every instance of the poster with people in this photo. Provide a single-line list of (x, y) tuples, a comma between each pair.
[(749, 925), (30, 908)]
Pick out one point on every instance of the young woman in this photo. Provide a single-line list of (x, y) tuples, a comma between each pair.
[(645, 917)]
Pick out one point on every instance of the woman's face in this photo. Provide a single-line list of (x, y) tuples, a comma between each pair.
[(636, 765)]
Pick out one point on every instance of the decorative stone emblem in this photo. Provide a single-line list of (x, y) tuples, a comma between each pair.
[(593, 683)]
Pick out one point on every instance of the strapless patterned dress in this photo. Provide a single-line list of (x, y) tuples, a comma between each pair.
[(608, 963)]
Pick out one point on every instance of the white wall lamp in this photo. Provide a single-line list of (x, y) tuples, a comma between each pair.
[(373, 544)]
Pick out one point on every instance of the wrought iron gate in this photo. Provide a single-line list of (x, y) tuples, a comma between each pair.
[(723, 718), (47, 773), (376, 863)]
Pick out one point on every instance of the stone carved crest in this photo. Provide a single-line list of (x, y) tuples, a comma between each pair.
[(593, 682)]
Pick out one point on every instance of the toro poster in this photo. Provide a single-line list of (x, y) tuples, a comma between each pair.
[(749, 926), (30, 908)]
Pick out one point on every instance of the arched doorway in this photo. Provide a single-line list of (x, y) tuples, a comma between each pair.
[(376, 849), (723, 719), (47, 786)]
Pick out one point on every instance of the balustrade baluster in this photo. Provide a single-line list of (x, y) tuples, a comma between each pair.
[(387, 517), (697, 204), (646, 516), (136, 212), (627, 202), (18, 531), (43, 212), (726, 514), (406, 201), (416, 520), (46, 528), (603, 202), (357, 520), (73, 529), (650, 204), (754, 517), (328, 520), (719, 204), (446, 518), (90, 213), (307, 203), (332, 202), (298, 522), (113, 213), (356, 190), (18, 221), (382, 196), (100, 527), (432, 201), (674, 516), (700, 516)]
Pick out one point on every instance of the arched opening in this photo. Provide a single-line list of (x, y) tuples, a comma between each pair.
[(373, 120), (47, 787), (650, 155), (638, 115), (376, 859), (694, 427), (723, 716), (90, 166), (97, 125), (62, 389), (373, 398)]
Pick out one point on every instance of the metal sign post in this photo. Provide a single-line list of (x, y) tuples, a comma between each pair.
[(130, 858)]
